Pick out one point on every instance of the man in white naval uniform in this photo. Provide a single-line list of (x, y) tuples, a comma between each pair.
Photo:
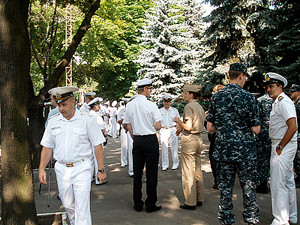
[(88, 96), (113, 120), (143, 120), (123, 137), (73, 137), (105, 111), (168, 134), (283, 134)]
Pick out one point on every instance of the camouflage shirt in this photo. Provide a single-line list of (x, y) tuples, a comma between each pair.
[(234, 111), (265, 108)]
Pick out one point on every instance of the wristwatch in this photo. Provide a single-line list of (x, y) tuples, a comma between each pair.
[(101, 171), (279, 147)]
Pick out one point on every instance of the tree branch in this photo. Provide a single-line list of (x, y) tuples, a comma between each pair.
[(60, 68)]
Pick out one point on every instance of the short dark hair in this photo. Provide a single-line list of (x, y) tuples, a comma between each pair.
[(234, 74), (196, 95)]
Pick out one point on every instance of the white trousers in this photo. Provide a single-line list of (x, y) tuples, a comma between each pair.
[(283, 190), (113, 128), (106, 121), (130, 159), (124, 147), (74, 186), (168, 136)]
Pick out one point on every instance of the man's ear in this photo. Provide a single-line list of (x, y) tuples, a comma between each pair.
[(240, 76)]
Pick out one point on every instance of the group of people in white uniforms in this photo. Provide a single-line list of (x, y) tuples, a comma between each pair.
[(168, 137), (94, 112), (74, 137), (283, 133)]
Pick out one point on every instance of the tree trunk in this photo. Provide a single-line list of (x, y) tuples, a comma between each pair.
[(18, 206)]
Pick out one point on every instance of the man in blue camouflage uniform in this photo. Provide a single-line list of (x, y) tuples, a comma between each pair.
[(263, 144), (234, 116), (295, 96)]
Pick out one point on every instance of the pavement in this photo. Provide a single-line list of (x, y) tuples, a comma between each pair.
[(112, 203)]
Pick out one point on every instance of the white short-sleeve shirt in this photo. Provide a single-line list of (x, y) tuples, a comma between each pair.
[(84, 109), (74, 139), (121, 115), (282, 110), (142, 114), (168, 116), (98, 119)]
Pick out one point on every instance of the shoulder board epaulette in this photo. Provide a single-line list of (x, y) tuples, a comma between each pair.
[(280, 98)]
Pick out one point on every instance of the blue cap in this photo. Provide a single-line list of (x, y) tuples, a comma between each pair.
[(240, 67)]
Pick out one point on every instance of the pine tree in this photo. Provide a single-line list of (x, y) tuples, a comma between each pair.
[(285, 44), (171, 53), (236, 33)]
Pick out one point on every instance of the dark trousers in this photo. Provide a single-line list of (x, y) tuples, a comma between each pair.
[(145, 151), (297, 162)]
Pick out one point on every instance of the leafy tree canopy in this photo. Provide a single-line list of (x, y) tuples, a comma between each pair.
[(109, 48)]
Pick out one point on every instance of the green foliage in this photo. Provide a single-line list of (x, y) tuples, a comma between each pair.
[(47, 33), (286, 39), (110, 46), (262, 34), (170, 57)]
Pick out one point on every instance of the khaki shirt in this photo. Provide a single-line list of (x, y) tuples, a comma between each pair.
[(194, 111)]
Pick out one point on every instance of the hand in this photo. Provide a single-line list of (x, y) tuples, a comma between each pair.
[(101, 177), (278, 151), (42, 176), (178, 131)]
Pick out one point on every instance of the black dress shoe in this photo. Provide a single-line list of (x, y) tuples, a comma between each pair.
[(188, 207), (199, 203), (153, 209), (138, 209)]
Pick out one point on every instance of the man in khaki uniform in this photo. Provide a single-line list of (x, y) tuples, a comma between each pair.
[(191, 144)]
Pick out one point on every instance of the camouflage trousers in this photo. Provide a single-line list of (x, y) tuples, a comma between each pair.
[(297, 161), (226, 177), (263, 160)]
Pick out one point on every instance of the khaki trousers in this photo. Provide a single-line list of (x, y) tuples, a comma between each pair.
[(192, 178)]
